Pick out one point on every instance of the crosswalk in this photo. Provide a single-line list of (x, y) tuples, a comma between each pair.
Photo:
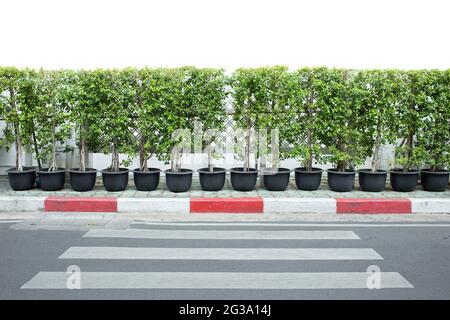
[(106, 255)]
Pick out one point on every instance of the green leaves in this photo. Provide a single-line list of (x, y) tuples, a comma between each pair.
[(136, 111)]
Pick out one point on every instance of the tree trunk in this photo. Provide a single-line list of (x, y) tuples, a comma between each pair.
[(19, 166), (310, 152), (247, 150), (18, 142), (142, 156), (376, 149), (36, 149), (53, 165), (82, 149), (409, 144), (114, 158), (210, 162)]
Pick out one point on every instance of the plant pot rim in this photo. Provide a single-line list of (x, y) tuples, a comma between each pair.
[(270, 172), (314, 170), (428, 171), (121, 171), (237, 170), (217, 170), (87, 170), (397, 171), (369, 171), (181, 172), (25, 170), (150, 170), (44, 171), (346, 172)]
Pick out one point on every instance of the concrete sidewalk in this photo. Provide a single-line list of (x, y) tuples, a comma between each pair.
[(323, 201)]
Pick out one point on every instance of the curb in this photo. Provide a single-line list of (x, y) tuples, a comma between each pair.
[(250, 205)]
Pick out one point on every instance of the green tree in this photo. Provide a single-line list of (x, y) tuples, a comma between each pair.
[(113, 102), (433, 134), (379, 94), (51, 114), (302, 126), (18, 115), (209, 102), (84, 111), (338, 118), (258, 99)]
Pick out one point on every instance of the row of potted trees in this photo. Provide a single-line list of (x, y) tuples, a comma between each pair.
[(322, 115)]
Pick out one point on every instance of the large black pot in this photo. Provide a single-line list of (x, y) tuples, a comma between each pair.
[(148, 180), (82, 180), (277, 181), (21, 180), (212, 180), (341, 181), (372, 181), (308, 180), (434, 180), (52, 180), (179, 181), (115, 181), (243, 180), (404, 181)]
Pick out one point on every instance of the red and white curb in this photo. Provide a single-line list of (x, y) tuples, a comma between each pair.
[(251, 205)]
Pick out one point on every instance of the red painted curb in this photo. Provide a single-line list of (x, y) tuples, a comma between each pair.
[(352, 205), (226, 205), (76, 204)]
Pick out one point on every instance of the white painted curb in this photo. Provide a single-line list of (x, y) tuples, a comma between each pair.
[(299, 205), (154, 205), (430, 205), (21, 204)]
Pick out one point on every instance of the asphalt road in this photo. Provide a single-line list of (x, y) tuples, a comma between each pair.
[(227, 261)]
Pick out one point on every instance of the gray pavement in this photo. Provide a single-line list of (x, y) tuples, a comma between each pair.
[(253, 260), (196, 191)]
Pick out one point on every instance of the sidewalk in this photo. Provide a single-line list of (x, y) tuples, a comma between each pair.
[(226, 200)]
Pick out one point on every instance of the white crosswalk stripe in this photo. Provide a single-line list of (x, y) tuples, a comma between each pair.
[(219, 280), (221, 234)]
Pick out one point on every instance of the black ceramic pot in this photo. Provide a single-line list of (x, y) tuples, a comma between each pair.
[(434, 180), (22, 180), (212, 180), (403, 181), (277, 181), (179, 181), (148, 180), (308, 180), (52, 180), (82, 180), (372, 181), (243, 180), (341, 181), (115, 181)]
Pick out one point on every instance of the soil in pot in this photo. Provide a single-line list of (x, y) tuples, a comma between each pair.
[(308, 180), (372, 181), (179, 181), (243, 180), (341, 181), (52, 180), (22, 180), (434, 180), (212, 180), (403, 181), (82, 180), (277, 181), (115, 181), (146, 180)]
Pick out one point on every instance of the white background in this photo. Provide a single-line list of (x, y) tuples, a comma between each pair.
[(343, 33)]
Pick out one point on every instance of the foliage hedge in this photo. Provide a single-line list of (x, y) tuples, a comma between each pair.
[(351, 113)]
